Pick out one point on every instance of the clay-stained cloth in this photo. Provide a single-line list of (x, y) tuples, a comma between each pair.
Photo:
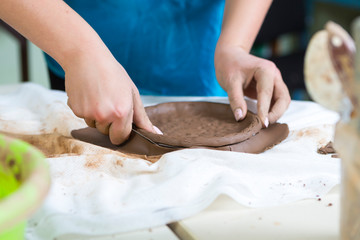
[(98, 191)]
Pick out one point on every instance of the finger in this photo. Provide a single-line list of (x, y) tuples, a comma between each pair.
[(120, 129), (141, 119), (264, 88), (236, 99), (103, 127), (90, 123), (281, 101)]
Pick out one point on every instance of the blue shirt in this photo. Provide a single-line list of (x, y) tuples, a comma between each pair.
[(166, 46)]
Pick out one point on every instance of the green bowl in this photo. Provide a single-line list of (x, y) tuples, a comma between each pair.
[(24, 183)]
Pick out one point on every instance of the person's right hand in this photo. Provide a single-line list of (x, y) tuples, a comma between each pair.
[(98, 87), (101, 92)]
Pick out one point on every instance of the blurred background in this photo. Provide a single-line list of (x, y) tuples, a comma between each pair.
[(283, 38)]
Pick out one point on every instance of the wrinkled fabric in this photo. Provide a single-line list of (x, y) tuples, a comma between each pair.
[(166, 46), (99, 192)]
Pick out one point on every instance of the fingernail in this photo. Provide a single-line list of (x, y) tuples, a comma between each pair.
[(238, 114), (266, 122), (157, 130), (336, 41)]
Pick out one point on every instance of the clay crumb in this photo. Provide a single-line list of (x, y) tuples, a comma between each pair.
[(330, 204), (327, 149), (319, 199)]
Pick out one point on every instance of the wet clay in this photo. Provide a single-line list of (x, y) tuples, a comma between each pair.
[(193, 125), (327, 149), (189, 124)]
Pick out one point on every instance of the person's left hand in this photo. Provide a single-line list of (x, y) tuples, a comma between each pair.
[(242, 74)]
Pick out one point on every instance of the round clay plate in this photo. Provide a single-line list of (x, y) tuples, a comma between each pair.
[(189, 124)]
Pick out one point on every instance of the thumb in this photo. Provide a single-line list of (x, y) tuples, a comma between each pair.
[(140, 118), (237, 101)]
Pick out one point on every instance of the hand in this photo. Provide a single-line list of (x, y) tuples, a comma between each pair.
[(99, 89), (101, 92), (240, 73)]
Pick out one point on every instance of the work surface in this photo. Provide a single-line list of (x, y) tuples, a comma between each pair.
[(97, 192), (310, 219)]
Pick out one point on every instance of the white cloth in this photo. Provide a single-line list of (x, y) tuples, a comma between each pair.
[(117, 194)]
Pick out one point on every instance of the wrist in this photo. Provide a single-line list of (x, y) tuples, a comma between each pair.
[(229, 42), (224, 49)]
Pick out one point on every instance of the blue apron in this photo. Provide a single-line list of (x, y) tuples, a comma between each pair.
[(166, 46)]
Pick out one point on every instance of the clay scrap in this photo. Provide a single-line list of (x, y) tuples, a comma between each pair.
[(328, 149)]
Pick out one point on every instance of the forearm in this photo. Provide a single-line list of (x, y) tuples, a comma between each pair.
[(53, 26), (242, 21)]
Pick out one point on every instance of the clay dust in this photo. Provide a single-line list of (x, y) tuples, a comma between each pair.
[(55, 145)]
